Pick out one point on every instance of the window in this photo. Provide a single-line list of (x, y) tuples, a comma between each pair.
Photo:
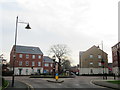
[(91, 63), (39, 63), (39, 57), (27, 56), (46, 64), (20, 63), (99, 56), (99, 64), (20, 55), (51, 70), (91, 56), (27, 63), (33, 56), (47, 71), (26, 71), (33, 63), (51, 65)]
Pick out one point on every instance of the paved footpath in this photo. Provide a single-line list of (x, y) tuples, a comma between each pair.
[(104, 83), (18, 85)]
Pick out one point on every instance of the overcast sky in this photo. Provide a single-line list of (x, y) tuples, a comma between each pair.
[(79, 24)]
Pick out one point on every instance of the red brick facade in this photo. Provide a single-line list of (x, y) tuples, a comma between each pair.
[(116, 55), (48, 64), (29, 58), (49, 68), (24, 59)]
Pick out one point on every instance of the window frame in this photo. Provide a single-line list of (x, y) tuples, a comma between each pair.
[(91, 55), (46, 65), (33, 56), (39, 56), (20, 63), (27, 56), (39, 63), (33, 63), (20, 55), (27, 63), (99, 56)]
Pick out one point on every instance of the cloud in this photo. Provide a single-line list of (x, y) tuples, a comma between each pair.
[(77, 23)]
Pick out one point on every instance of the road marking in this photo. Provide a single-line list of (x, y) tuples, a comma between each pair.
[(30, 87), (95, 84)]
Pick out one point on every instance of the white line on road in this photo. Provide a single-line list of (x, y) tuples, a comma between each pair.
[(30, 87)]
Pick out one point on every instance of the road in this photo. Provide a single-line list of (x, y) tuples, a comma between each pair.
[(77, 82)]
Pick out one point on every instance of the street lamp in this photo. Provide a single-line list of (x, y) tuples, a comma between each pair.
[(54, 65), (14, 56)]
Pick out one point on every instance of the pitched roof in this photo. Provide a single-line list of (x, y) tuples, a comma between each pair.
[(28, 49), (47, 59), (96, 47)]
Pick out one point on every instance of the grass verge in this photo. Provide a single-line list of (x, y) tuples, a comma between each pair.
[(114, 82), (5, 84)]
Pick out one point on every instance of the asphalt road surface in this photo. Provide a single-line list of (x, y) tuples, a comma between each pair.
[(77, 83)]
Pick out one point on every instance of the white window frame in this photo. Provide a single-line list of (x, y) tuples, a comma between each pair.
[(20, 63), (20, 55), (27, 56), (51, 70), (33, 63), (46, 65), (91, 56), (27, 63), (39, 56), (99, 64), (51, 65), (39, 63), (33, 56), (91, 63), (99, 56)]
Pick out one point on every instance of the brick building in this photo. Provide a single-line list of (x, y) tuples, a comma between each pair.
[(48, 64), (28, 60), (116, 58), (90, 61)]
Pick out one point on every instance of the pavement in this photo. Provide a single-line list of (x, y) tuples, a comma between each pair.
[(18, 85), (104, 83)]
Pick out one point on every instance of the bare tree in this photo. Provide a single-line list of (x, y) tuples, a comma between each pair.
[(66, 65), (60, 51)]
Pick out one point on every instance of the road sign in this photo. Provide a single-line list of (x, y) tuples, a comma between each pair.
[(56, 74)]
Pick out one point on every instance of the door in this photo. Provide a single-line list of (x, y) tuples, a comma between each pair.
[(38, 71), (20, 71)]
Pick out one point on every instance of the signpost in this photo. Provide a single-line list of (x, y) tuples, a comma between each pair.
[(56, 70), (56, 76)]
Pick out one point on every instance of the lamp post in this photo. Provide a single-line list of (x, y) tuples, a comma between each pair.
[(102, 61), (54, 65), (14, 56)]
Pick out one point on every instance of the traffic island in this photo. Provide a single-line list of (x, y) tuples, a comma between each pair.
[(56, 81)]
